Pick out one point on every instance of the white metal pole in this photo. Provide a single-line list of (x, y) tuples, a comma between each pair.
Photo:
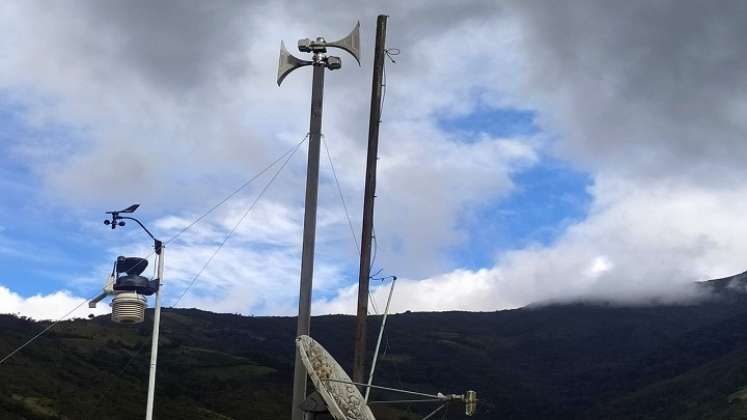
[(378, 341), (154, 341)]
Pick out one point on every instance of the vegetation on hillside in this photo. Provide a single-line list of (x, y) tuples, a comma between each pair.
[(562, 361)]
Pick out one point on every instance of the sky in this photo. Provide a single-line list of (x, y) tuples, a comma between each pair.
[(530, 151)]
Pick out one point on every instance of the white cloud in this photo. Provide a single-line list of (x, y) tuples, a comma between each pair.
[(51, 306), (174, 117), (424, 188), (257, 270), (638, 245)]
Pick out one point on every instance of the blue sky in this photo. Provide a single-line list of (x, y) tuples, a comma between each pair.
[(43, 249), (546, 198)]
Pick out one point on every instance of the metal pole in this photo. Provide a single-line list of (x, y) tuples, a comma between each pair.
[(368, 203), (378, 341), (154, 341), (309, 232)]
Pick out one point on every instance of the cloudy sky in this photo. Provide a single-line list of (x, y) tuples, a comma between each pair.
[(530, 151)]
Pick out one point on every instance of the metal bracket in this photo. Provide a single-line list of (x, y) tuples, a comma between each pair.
[(314, 403)]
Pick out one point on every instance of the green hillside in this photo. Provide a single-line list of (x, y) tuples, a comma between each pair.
[(569, 361)]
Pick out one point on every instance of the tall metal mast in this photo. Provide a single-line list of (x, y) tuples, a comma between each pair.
[(320, 61), (368, 203)]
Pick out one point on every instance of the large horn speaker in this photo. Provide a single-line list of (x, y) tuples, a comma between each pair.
[(351, 43), (288, 63)]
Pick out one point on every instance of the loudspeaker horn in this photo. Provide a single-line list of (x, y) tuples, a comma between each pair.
[(288, 63), (351, 43)]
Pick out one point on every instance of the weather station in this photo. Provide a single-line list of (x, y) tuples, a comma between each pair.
[(131, 290)]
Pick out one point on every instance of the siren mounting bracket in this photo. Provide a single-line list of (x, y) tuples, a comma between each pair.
[(318, 47)]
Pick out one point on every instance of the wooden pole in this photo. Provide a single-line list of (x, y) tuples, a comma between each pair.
[(368, 203)]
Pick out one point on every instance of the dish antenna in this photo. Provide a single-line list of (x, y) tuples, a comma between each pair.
[(344, 400), (341, 395)]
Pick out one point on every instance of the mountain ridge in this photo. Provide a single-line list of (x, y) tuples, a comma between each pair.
[(556, 360)]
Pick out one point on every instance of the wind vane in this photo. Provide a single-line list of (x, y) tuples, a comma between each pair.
[(320, 61)]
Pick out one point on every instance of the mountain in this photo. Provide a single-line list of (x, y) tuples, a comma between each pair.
[(583, 360)]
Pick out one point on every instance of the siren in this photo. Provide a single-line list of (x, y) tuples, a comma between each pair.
[(351, 43), (288, 62)]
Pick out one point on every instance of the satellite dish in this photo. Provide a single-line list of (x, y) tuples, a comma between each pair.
[(343, 399)]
